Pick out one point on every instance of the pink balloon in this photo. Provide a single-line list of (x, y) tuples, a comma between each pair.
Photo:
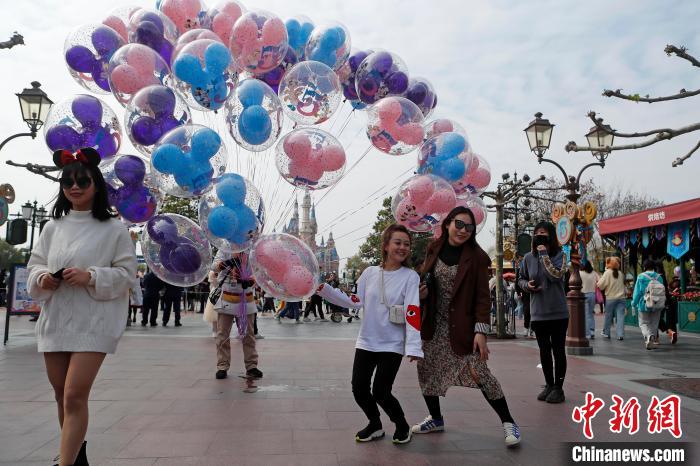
[(332, 158), (128, 80), (420, 188), (441, 201), (299, 281), (184, 13), (480, 179), (277, 271), (118, 25), (389, 110), (442, 125), (478, 214), (297, 146), (310, 169), (143, 60), (222, 25), (407, 211), (411, 133), (273, 32), (245, 31)]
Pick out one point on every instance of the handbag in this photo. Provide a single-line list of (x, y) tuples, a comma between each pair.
[(396, 314), (215, 294), (598, 296)]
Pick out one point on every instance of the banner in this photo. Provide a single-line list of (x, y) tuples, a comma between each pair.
[(645, 237), (678, 239), (633, 237), (19, 300)]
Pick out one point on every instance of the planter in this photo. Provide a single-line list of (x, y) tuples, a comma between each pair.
[(689, 316)]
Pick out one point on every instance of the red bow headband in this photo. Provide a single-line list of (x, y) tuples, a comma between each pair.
[(86, 155)]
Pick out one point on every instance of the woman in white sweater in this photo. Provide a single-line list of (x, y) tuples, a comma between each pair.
[(613, 283), (81, 269), (389, 330)]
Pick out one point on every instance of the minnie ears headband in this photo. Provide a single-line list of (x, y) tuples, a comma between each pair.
[(86, 155)]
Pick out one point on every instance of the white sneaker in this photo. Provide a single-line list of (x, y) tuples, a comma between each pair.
[(649, 344), (512, 433)]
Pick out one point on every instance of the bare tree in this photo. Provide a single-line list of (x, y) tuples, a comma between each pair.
[(16, 39), (653, 136)]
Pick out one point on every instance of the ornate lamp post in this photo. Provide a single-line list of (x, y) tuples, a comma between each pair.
[(30, 213), (35, 105), (571, 220)]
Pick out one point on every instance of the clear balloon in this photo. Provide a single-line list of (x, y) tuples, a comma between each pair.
[(443, 125), (284, 267), (83, 121), (193, 35), (476, 178), (347, 74), (155, 30), (381, 74), (274, 77), (254, 115), (152, 112), (133, 67), (87, 51), (187, 159), (118, 19), (259, 41), (299, 29), (310, 158), (329, 44), (232, 214), (310, 93), (131, 188), (186, 14), (394, 125), (176, 250), (447, 155), (204, 73), (222, 16), (421, 92), (478, 208), (422, 201)]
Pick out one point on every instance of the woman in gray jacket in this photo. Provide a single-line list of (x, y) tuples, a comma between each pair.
[(542, 275)]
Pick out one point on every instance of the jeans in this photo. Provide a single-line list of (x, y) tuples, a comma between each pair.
[(590, 309), (551, 335), (387, 366), (615, 307)]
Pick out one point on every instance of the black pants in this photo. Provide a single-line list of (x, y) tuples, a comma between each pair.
[(312, 306), (150, 308), (203, 302), (269, 305), (526, 310), (669, 317), (551, 336), (171, 303), (387, 366)]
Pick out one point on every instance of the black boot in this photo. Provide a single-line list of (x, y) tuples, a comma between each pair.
[(81, 459)]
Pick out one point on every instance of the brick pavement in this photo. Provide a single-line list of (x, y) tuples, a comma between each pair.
[(156, 401)]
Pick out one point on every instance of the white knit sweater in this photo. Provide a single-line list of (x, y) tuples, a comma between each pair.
[(83, 318)]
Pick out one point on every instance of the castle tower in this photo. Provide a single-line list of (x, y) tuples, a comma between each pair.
[(332, 258), (307, 231), (293, 227)]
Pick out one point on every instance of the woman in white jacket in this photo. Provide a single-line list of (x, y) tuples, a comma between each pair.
[(390, 329), (81, 268)]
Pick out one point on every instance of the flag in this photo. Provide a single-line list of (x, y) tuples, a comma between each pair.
[(678, 239)]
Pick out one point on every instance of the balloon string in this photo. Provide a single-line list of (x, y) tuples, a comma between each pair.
[(345, 175), (286, 209), (346, 123), (336, 118)]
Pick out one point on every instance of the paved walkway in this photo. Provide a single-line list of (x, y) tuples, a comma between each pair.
[(156, 401)]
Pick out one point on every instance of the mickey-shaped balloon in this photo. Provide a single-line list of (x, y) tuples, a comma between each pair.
[(134, 67), (446, 155), (222, 16), (128, 193), (232, 212), (204, 74), (186, 14), (329, 44), (347, 74), (381, 74), (83, 121), (190, 155), (299, 31), (394, 125), (422, 201), (151, 113), (421, 92), (177, 254), (87, 52), (476, 178), (310, 158), (259, 41), (155, 30)]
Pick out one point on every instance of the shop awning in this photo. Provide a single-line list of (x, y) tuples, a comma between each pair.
[(663, 215)]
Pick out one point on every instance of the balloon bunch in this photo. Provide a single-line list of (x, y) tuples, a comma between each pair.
[(135, 201), (151, 113), (310, 158), (379, 75), (394, 125), (87, 51), (259, 41), (233, 220), (299, 31), (191, 155), (284, 266), (133, 67), (446, 155), (222, 16), (422, 201), (329, 45), (155, 30), (310, 92), (83, 121), (203, 72)]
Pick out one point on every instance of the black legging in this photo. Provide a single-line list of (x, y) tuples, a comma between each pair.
[(500, 406), (551, 336), (387, 366)]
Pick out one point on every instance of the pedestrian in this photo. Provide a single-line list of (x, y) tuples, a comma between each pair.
[(613, 284), (202, 295), (236, 301), (649, 299), (389, 330), (152, 285), (668, 323), (81, 269), (525, 297), (589, 278), (173, 301), (135, 300), (455, 310), (291, 310), (542, 274), (315, 303)]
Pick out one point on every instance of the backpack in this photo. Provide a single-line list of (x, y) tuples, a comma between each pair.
[(654, 294)]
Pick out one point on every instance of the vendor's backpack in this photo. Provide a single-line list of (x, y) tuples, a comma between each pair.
[(654, 294)]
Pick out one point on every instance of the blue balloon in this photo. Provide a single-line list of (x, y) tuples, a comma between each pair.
[(250, 92), (222, 221), (331, 39), (247, 221), (254, 125), (452, 145), (451, 169), (306, 30), (217, 58), (187, 68), (166, 158), (193, 176), (231, 189), (205, 144)]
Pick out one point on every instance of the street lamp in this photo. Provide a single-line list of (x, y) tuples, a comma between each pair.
[(539, 134), (36, 216), (34, 105)]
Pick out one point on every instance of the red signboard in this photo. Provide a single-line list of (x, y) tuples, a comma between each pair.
[(662, 215)]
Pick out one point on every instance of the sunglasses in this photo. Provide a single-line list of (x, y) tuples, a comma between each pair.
[(82, 182), (468, 227)]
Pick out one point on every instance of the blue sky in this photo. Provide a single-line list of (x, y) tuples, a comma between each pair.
[(493, 65)]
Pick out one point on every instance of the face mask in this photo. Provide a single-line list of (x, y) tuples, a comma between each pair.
[(541, 240)]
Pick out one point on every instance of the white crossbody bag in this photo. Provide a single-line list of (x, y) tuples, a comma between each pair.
[(396, 314)]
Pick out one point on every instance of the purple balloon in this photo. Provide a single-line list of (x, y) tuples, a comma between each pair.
[(80, 59), (152, 17), (161, 99), (63, 137), (164, 255), (166, 50), (162, 230), (381, 62), (130, 169), (136, 204), (102, 140), (99, 74), (397, 83), (146, 131), (148, 34), (185, 258), (417, 93), (355, 59), (369, 86), (106, 41), (169, 123), (87, 110)]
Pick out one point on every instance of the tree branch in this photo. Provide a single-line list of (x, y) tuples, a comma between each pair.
[(680, 160), (36, 169), (682, 94), (681, 52)]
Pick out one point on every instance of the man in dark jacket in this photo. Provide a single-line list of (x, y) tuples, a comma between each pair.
[(151, 288), (173, 298)]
